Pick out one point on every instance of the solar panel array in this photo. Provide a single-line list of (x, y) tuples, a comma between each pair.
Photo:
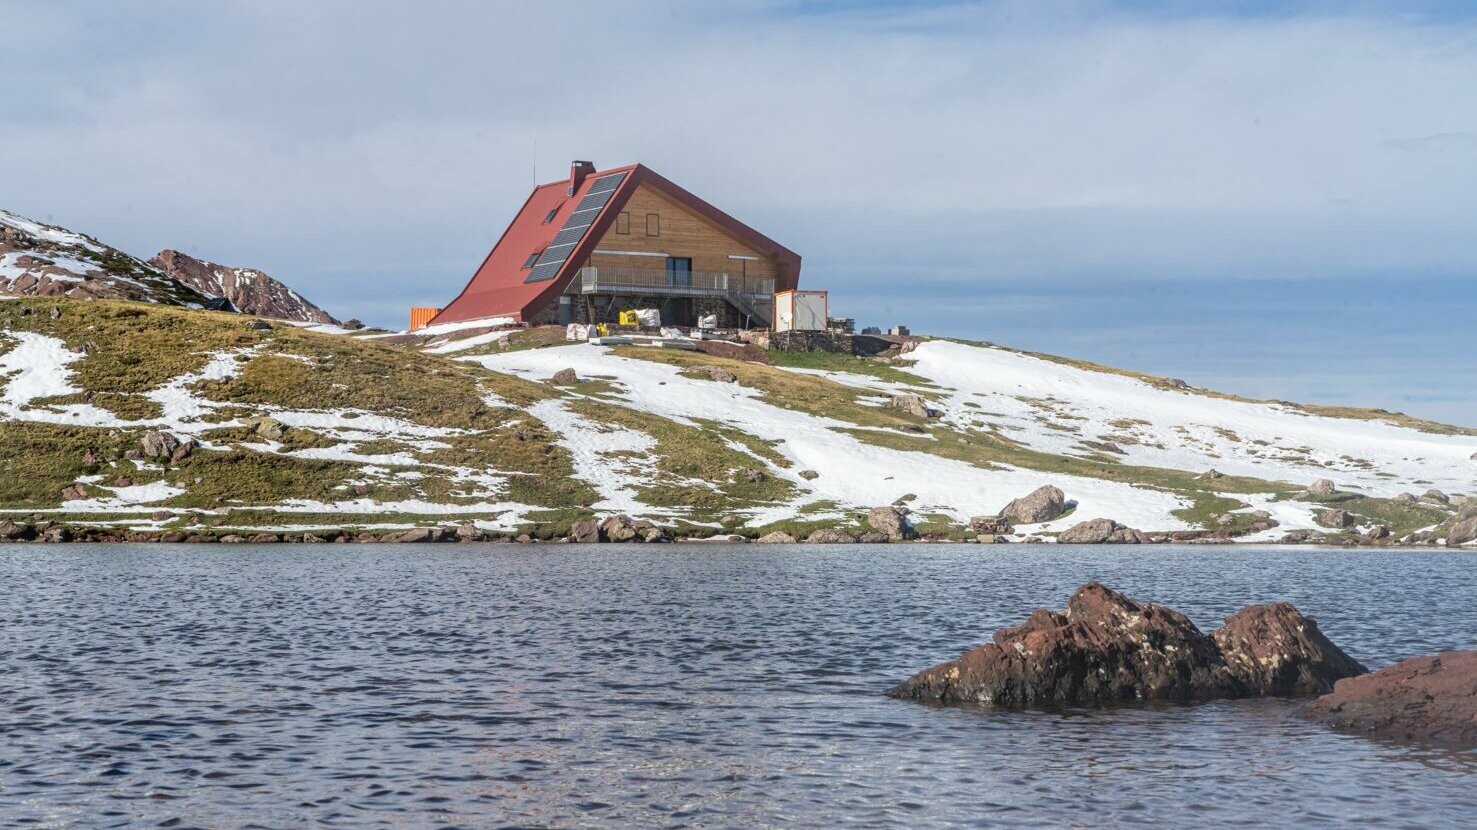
[(575, 228)]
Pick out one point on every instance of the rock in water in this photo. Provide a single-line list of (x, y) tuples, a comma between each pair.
[(1431, 699), (1277, 651), (778, 537), (1106, 647), (1040, 505)]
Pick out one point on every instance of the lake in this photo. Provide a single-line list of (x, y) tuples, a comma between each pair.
[(675, 685)]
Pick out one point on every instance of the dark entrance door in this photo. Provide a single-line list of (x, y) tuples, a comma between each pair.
[(679, 271)]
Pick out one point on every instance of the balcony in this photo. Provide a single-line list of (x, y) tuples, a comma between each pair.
[(754, 299)]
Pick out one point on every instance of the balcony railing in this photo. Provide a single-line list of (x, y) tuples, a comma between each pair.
[(592, 280)]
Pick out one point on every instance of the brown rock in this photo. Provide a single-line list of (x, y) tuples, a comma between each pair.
[(778, 537), (830, 536), (11, 532), (1434, 496), (1462, 532), (1333, 518), (990, 524), (158, 444), (232, 539), (619, 528), (1322, 487), (1427, 699), (1277, 651), (585, 532), (420, 535), (1098, 532), (264, 538), (892, 522), (564, 377), (75, 492), (1040, 505), (809, 475), (1106, 647), (873, 537)]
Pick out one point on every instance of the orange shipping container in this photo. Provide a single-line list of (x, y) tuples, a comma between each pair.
[(419, 317)]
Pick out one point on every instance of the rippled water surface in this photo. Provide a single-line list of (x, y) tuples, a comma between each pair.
[(408, 686)]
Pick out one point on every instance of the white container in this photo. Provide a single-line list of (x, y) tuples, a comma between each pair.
[(800, 311)]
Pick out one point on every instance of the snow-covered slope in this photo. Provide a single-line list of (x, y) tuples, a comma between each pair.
[(37, 259), (249, 290), (303, 426)]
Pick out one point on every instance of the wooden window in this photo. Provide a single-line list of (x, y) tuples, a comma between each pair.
[(623, 222), (532, 258), (653, 225)]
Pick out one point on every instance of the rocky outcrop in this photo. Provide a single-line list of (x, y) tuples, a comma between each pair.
[(892, 522), (1333, 518), (1426, 699), (250, 291), (1040, 505), (41, 260), (1102, 532), (1107, 648)]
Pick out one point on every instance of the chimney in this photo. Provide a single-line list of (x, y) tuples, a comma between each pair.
[(578, 170)]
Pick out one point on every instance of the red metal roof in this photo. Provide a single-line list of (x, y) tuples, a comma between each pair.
[(498, 289)]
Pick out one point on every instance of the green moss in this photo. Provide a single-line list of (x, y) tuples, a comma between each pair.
[(540, 472), (38, 460), (215, 479)]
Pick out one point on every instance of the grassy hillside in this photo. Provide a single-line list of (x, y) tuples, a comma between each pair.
[(298, 429)]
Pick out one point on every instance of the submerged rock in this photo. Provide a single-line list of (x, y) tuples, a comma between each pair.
[(1429, 699), (1040, 505), (1106, 647)]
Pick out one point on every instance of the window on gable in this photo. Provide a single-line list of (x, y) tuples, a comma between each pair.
[(653, 225), (550, 217), (532, 258), (623, 222)]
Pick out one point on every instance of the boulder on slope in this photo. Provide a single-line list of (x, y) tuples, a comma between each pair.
[(1102, 532), (1040, 505), (892, 522)]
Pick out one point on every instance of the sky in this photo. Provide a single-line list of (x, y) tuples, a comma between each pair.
[(1270, 198)]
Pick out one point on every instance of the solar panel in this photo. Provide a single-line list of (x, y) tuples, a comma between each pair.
[(575, 227)]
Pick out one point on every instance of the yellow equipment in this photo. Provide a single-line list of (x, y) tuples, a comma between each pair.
[(629, 318)]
